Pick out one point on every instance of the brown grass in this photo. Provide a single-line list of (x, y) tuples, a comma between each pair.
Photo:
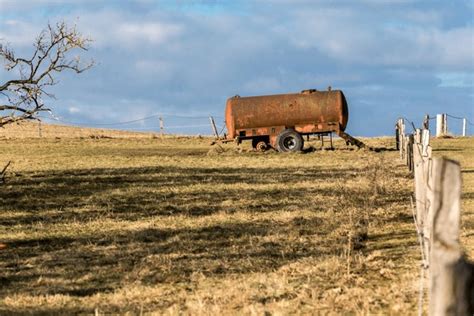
[(169, 226), (35, 129)]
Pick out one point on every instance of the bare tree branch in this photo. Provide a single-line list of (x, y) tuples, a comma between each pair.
[(52, 48)]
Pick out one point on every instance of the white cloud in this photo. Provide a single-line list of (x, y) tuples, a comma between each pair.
[(265, 85), (351, 37), (73, 110), (18, 33), (152, 32), (115, 29), (158, 68), (13, 5)]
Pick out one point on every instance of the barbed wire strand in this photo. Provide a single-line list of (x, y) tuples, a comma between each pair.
[(125, 122), (409, 121), (460, 118), (430, 117), (56, 118), (151, 129), (455, 117)]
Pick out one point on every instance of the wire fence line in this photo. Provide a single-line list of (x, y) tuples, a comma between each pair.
[(445, 272), (433, 117), (454, 129), (161, 123), (152, 129), (166, 123), (157, 116), (58, 119), (460, 118)]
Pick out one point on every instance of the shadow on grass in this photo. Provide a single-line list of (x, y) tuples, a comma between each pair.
[(382, 149), (135, 193), (82, 265), (87, 265), (449, 149)]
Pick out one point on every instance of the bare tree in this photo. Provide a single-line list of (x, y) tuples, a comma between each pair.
[(22, 98)]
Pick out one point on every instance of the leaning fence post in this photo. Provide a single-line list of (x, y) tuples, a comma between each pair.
[(450, 291), (213, 126)]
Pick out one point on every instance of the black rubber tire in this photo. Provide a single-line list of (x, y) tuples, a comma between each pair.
[(289, 141)]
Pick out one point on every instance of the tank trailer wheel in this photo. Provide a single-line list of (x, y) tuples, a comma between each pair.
[(259, 144), (289, 141)]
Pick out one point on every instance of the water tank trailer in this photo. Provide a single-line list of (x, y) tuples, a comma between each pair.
[(280, 121)]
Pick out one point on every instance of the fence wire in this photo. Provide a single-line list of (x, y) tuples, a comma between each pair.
[(190, 124)]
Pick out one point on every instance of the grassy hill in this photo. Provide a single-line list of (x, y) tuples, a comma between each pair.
[(33, 129), (142, 224)]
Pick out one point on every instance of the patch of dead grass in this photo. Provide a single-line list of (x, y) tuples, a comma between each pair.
[(160, 226)]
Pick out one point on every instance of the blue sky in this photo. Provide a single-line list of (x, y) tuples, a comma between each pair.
[(185, 58)]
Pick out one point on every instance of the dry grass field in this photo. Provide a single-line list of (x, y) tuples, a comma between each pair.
[(173, 226)]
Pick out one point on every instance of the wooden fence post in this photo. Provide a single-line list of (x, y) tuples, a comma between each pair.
[(439, 125), (422, 161), (40, 134), (425, 141), (162, 127), (397, 135), (405, 149), (417, 136), (401, 137), (409, 154), (426, 122), (451, 292), (420, 184), (445, 124)]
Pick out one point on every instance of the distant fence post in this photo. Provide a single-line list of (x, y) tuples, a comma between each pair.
[(405, 149), (439, 124), (464, 125), (426, 122), (445, 124), (420, 187), (401, 137), (451, 292), (40, 134), (162, 127), (397, 135), (411, 139)]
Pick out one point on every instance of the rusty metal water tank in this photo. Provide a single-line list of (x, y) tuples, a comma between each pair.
[(308, 112)]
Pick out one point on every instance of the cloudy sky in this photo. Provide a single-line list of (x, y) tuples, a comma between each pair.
[(184, 58)]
